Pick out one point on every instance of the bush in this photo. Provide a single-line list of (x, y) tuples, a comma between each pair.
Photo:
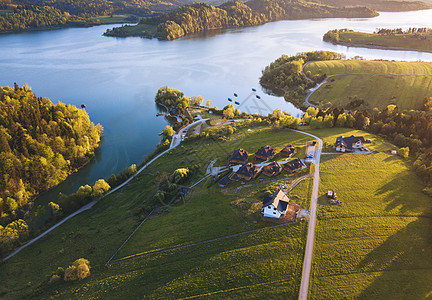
[(80, 269)]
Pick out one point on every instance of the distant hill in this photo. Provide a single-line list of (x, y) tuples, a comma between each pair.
[(199, 16)]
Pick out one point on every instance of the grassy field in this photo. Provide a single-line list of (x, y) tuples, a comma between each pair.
[(377, 244), (273, 256), (115, 19), (385, 83), (403, 41)]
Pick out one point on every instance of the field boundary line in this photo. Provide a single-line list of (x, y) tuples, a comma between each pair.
[(235, 289), (198, 243)]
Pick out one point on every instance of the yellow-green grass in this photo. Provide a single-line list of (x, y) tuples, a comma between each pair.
[(375, 88), (206, 214), (403, 41), (115, 19), (377, 244)]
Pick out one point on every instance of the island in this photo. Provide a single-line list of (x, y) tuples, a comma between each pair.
[(411, 39)]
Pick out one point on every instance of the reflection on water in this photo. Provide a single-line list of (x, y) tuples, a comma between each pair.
[(117, 78)]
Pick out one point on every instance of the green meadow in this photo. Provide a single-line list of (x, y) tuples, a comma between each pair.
[(403, 41), (382, 83), (377, 244), (226, 268)]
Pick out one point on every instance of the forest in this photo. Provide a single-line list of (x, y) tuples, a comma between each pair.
[(286, 74), (40, 145), (200, 16)]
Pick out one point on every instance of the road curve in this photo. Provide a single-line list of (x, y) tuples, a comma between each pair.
[(307, 263)]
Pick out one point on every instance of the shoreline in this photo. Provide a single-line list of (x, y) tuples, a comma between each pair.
[(377, 47)]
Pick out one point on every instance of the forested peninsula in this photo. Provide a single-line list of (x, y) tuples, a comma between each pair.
[(418, 39), (40, 145), (201, 17)]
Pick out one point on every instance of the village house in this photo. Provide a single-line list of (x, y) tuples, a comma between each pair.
[(248, 171), (348, 144), (240, 156), (288, 151), (294, 165), (265, 153), (272, 169), (275, 205)]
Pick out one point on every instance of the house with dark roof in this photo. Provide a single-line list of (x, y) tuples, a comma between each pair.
[(275, 205), (348, 144), (265, 153), (288, 151), (294, 165), (240, 156), (224, 181), (247, 171), (272, 169)]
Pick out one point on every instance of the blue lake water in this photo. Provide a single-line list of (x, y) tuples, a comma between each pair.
[(117, 78)]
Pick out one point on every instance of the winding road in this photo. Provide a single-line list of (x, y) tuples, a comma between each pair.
[(307, 263), (315, 88), (91, 204)]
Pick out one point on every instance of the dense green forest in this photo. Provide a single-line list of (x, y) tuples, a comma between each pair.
[(40, 145), (286, 74), (199, 16), (19, 15)]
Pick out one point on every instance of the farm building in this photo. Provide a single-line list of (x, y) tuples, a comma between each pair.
[(294, 165), (272, 169), (248, 171), (240, 156), (288, 151), (275, 205), (265, 153), (347, 144)]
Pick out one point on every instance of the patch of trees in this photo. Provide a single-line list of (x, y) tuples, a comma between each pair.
[(40, 145), (379, 5), (31, 16), (293, 10), (411, 30), (286, 74), (411, 130), (79, 270)]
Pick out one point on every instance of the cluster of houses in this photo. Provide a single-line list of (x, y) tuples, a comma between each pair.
[(248, 170), (276, 204)]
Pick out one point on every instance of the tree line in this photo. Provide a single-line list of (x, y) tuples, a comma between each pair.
[(200, 16), (40, 145)]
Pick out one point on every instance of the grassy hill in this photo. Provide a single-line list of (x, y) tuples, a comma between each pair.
[(377, 244), (227, 268), (402, 41), (382, 83), (377, 236)]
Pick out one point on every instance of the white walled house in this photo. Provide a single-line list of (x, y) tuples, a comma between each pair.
[(275, 205), (348, 144)]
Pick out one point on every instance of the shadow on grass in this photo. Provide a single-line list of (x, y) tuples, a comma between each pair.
[(399, 190), (404, 262)]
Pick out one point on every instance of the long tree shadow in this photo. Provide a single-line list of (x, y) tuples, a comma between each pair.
[(398, 193), (404, 264)]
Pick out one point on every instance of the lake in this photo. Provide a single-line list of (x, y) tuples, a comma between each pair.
[(117, 78)]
